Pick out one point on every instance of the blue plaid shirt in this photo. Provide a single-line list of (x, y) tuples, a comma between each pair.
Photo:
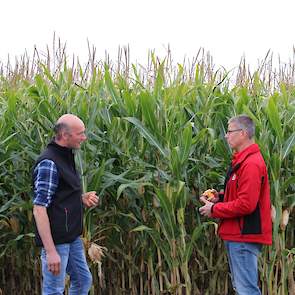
[(45, 182)]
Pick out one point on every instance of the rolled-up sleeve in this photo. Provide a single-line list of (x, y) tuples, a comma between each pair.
[(45, 182)]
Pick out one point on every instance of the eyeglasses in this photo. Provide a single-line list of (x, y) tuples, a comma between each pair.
[(231, 131)]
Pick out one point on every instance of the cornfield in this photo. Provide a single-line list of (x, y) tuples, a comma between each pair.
[(155, 142)]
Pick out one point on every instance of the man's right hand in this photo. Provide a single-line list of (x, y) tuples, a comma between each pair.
[(42, 221), (53, 262)]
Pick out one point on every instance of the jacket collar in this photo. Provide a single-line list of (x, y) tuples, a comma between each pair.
[(242, 155), (60, 148)]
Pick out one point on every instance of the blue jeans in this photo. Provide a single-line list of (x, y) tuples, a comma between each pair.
[(73, 263), (243, 263)]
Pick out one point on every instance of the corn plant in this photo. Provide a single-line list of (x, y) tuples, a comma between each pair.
[(155, 142)]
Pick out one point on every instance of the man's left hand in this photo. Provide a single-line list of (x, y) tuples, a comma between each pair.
[(90, 199), (206, 209)]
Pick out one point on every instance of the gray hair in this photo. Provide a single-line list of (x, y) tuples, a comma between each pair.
[(244, 122), (59, 128)]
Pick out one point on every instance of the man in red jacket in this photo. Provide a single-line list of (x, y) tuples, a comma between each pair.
[(244, 209)]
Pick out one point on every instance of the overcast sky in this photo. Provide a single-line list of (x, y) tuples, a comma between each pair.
[(228, 29)]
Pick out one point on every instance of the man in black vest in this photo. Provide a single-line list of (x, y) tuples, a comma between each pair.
[(58, 210)]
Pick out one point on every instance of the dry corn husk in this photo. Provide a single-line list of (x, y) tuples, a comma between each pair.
[(194, 192), (6, 224), (284, 219), (95, 252), (156, 203), (143, 214), (141, 189), (216, 228), (14, 224), (273, 213), (30, 216)]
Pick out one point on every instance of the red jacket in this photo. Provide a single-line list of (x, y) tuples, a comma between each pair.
[(245, 212)]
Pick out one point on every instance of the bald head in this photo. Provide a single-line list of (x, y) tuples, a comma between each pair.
[(69, 131), (69, 119)]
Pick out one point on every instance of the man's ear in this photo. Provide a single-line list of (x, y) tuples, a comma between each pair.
[(65, 134), (245, 133)]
